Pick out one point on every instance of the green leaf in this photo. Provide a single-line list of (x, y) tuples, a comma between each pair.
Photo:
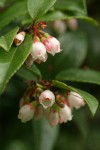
[(7, 40), (59, 15), (52, 16), (37, 8), (88, 98), (10, 62), (79, 75), (74, 9), (81, 120), (77, 7), (17, 10), (74, 50), (32, 73), (44, 135), (2, 2)]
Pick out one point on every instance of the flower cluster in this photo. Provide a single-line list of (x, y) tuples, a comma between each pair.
[(43, 43), (43, 99), (61, 26)]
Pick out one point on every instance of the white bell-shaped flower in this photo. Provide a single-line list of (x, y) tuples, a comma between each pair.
[(47, 46), (19, 38), (55, 44), (26, 112), (75, 100), (47, 98), (65, 114), (53, 118), (38, 52)]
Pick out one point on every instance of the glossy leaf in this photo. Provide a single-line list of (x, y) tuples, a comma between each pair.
[(32, 73), (76, 7), (80, 119), (7, 40), (44, 135), (59, 15), (37, 8), (79, 75), (10, 62), (12, 13), (74, 50), (88, 98), (52, 16)]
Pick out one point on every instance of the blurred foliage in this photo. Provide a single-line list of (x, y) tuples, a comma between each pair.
[(81, 49)]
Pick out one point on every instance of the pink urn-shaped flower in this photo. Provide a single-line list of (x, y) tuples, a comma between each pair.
[(47, 98), (53, 117), (54, 45), (65, 114), (26, 112), (75, 100), (38, 52)]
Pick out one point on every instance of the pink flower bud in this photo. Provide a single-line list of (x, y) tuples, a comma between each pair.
[(42, 25), (59, 26), (75, 100), (26, 112), (72, 24), (47, 45), (53, 118), (29, 61), (55, 44), (19, 38), (65, 114), (47, 98), (39, 52)]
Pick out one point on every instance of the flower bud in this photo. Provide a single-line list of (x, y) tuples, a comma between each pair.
[(59, 26), (75, 100), (19, 38), (39, 52), (26, 112), (65, 114), (29, 61), (47, 98), (42, 25), (53, 118), (72, 24), (55, 44), (47, 45)]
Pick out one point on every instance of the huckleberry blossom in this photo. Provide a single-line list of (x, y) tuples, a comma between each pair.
[(75, 100), (47, 98), (26, 112), (39, 52), (47, 45), (53, 118), (55, 44), (65, 114), (19, 38)]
